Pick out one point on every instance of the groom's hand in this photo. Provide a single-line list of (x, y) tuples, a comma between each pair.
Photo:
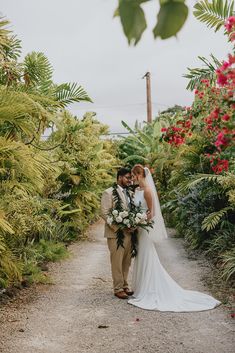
[(131, 230)]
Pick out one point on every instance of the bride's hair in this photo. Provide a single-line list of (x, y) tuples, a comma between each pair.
[(138, 169)]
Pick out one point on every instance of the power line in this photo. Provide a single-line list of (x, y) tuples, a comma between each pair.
[(94, 107)]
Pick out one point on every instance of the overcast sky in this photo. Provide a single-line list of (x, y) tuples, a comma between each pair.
[(86, 45)]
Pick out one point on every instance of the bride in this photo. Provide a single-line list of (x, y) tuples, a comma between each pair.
[(154, 289)]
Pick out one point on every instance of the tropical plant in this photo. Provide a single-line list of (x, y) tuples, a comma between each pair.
[(50, 187)]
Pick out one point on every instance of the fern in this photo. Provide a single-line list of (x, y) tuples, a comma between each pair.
[(213, 13)]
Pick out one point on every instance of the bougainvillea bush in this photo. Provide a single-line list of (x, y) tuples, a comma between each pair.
[(194, 163)]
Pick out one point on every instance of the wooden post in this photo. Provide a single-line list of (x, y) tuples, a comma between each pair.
[(149, 101)]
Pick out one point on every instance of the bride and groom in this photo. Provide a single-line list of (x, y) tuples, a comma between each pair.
[(153, 287)]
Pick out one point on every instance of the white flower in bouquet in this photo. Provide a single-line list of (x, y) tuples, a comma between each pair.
[(115, 212), (118, 219), (110, 220), (126, 221), (137, 220), (144, 216), (124, 214)]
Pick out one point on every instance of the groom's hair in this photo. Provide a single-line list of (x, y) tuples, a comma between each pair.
[(123, 171)]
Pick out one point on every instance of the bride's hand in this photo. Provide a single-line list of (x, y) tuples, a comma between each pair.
[(149, 215)]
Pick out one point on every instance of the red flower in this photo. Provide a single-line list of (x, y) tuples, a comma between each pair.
[(222, 79), (225, 117), (221, 140), (163, 129), (222, 164), (231, 59), (230, 23)]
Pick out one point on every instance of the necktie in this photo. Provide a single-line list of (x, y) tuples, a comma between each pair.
[(126, 197)]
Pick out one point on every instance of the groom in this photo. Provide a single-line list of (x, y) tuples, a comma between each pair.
[(120, 257)]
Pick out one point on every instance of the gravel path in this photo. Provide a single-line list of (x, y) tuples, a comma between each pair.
[(79, 314)]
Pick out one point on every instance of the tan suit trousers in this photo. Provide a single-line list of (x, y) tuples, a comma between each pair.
[(120, 262)]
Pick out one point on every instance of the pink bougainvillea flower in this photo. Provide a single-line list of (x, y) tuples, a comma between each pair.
[(221, 79), (231, 59), (225, 117), (222, 165), (230, 23)]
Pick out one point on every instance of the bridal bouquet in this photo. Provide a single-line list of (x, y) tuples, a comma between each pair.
[(133, 218)]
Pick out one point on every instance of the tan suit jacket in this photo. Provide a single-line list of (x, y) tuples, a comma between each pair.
[(107, 202)]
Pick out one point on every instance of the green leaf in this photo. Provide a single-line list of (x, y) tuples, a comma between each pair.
[(133, 20), (127, 127), (171, 17), (116, 13)]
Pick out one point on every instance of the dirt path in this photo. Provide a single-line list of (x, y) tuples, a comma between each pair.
[(65, 317)]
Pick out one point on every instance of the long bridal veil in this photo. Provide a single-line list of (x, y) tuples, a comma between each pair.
[(158, 232)]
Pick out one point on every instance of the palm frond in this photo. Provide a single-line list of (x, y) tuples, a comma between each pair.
[(213, 219), (68, 93), (37, 68), (196, 75), (213, 13), (13, 48), (20, 112), (4, 33)]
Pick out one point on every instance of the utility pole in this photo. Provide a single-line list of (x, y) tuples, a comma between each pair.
[(149, 101)]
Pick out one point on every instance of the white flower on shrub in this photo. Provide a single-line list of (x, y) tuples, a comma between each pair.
[(115, 212), (118, 219), (110, 220)]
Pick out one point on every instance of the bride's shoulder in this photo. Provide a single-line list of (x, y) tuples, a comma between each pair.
[(147, 191)]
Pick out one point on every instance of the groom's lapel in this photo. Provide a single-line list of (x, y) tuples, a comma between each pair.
[(122, 196)]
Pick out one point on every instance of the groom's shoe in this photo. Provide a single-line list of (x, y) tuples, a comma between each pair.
[(121, 295), (128, 291)]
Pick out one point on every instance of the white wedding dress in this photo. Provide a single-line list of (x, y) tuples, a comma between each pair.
[(153, 287)]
